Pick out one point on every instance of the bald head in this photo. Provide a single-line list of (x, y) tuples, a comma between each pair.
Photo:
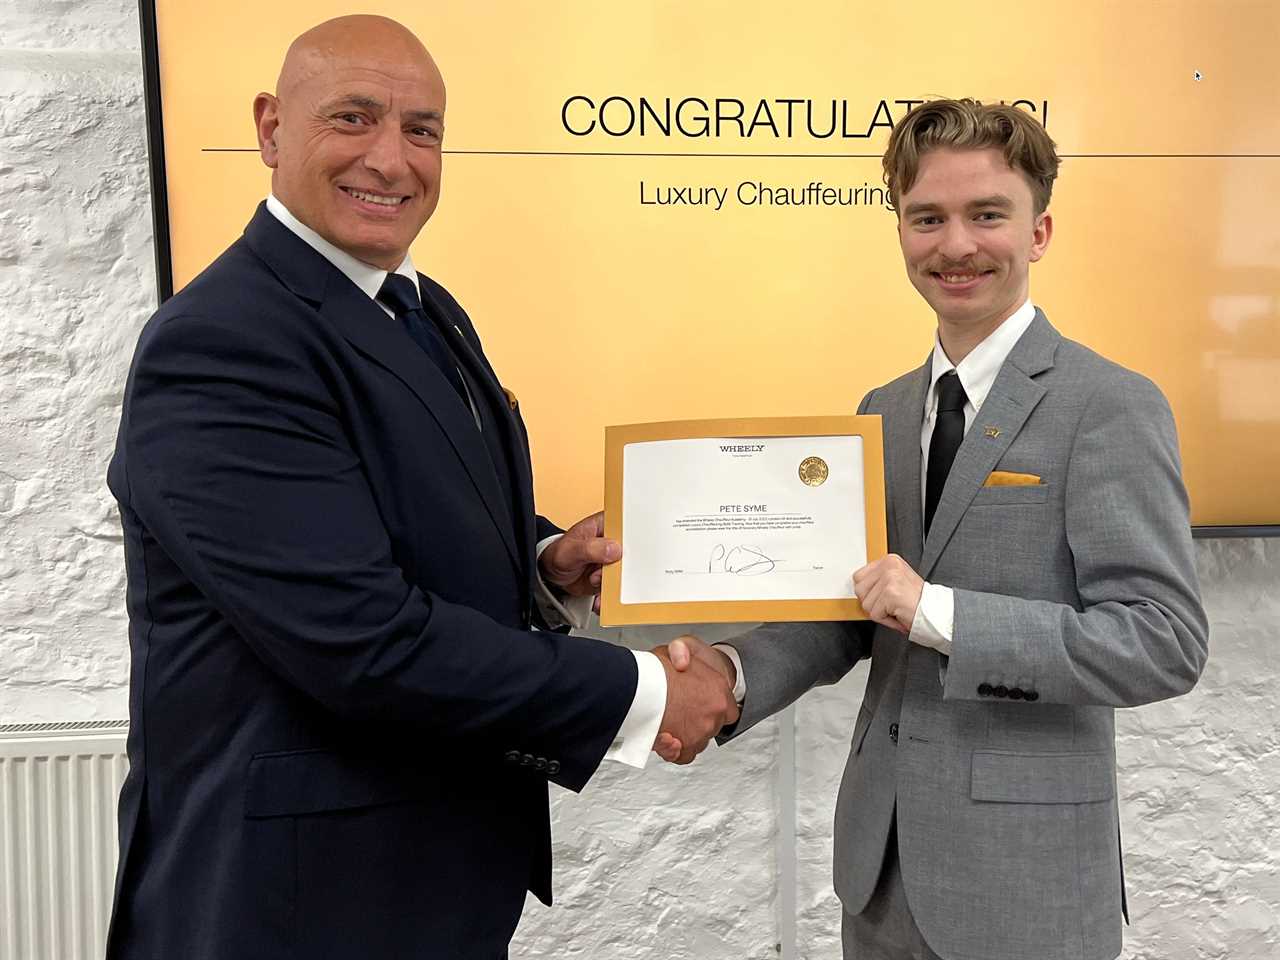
[(353, 135), (359, 37)]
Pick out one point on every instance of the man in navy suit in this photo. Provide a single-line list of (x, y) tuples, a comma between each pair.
[(343, 713)]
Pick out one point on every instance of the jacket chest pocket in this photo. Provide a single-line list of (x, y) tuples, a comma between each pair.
[(1011, 495)]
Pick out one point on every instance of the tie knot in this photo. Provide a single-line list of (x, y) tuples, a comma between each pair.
[(400, 294), (951, 396)]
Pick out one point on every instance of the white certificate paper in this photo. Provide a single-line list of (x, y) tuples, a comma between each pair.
[(722, 519)]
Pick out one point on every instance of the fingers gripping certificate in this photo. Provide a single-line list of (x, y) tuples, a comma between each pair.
[(742, 520)]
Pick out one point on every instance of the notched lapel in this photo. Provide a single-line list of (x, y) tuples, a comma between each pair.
[(902, 456), (1013, 397), (373, 333), (301, 269), (503, 411), (367, 328)]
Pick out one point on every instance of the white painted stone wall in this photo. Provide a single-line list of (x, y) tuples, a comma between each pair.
[(670, 862)]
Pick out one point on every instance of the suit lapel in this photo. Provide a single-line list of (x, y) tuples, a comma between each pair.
[(511, 444), (902, 452), (1013, 397), (367, 328)]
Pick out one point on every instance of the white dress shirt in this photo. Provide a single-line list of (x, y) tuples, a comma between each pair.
[(639, 729), (934, 621)]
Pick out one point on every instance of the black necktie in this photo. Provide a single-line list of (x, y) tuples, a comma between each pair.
[(401, 295), (948, 431)]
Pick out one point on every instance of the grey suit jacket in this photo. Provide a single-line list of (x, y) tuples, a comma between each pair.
[(1072, 597)]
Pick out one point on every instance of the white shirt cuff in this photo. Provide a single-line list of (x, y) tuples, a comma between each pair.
[(740, 680), (556, 612), (935, 618), (634, 739)]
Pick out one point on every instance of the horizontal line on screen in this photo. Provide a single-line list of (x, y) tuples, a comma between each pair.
[(800, 156)]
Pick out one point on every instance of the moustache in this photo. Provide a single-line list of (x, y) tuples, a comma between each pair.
[(962, 266)]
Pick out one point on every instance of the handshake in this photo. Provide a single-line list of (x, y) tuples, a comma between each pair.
[(700, 682)]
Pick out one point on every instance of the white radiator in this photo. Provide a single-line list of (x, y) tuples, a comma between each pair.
[(58, 789)]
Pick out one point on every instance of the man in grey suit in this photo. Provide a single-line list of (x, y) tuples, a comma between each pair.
[(1041, 575)]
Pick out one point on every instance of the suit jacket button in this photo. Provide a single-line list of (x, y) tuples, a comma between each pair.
[(1001, 691), (513, 756), (1015, 693), (984, 689), (1032, 695), (540, 764), (553, 767), (526, 760)]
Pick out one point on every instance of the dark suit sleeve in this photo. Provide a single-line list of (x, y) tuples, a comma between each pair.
[(1139, 633), (238, 463), (545, 528)]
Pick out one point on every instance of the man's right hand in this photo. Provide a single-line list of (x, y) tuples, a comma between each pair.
[(700, 681)]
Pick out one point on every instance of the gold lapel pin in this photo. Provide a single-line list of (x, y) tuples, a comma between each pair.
[(992, 432)]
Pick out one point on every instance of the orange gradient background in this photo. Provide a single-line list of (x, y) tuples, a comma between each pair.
[(597, 310)]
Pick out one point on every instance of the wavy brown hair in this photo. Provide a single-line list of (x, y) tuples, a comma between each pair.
[(970, 125)]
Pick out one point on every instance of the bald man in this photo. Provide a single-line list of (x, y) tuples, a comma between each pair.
[(343, 712)]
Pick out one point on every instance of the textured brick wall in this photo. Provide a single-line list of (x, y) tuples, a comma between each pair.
[(662, 863), (76, 282)]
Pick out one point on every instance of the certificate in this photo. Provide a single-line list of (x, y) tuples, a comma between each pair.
[(741, 520)]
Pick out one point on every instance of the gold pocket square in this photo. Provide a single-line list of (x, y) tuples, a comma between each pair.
[(1002, 478)]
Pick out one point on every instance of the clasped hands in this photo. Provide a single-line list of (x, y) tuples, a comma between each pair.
[(700, 681), (700, 678), (699, 690)]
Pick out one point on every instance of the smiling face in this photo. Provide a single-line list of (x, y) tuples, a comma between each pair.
[(969, 233), (353, 136)]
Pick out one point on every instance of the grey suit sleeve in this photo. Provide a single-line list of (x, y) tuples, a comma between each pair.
[(780, 661), (1139, 633)]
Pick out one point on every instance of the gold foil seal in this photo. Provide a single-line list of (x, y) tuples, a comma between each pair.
[(814, 471)]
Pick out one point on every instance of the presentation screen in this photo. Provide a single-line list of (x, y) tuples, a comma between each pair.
[(674, 210)]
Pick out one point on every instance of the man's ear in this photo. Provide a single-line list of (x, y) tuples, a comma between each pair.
[(266, 119), (1041, 234)]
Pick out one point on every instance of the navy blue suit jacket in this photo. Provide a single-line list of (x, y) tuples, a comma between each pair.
[(342, 726)]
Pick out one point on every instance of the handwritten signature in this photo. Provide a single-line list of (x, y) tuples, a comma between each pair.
[(742, 561)]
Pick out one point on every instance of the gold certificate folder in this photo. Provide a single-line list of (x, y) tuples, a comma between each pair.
[(613, 612)]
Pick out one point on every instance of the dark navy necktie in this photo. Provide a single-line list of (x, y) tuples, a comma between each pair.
[(948, 431), (401, 295)]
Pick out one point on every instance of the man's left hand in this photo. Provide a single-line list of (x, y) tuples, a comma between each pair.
[(889, 591), (573, 562)]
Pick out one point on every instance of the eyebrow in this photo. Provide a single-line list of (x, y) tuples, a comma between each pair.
[(997, 200), (375, 105), (417, 116), (357, 100), (912, 209)]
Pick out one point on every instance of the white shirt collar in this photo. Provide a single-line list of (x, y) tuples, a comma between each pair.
[(977, 371), (365, 276)]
